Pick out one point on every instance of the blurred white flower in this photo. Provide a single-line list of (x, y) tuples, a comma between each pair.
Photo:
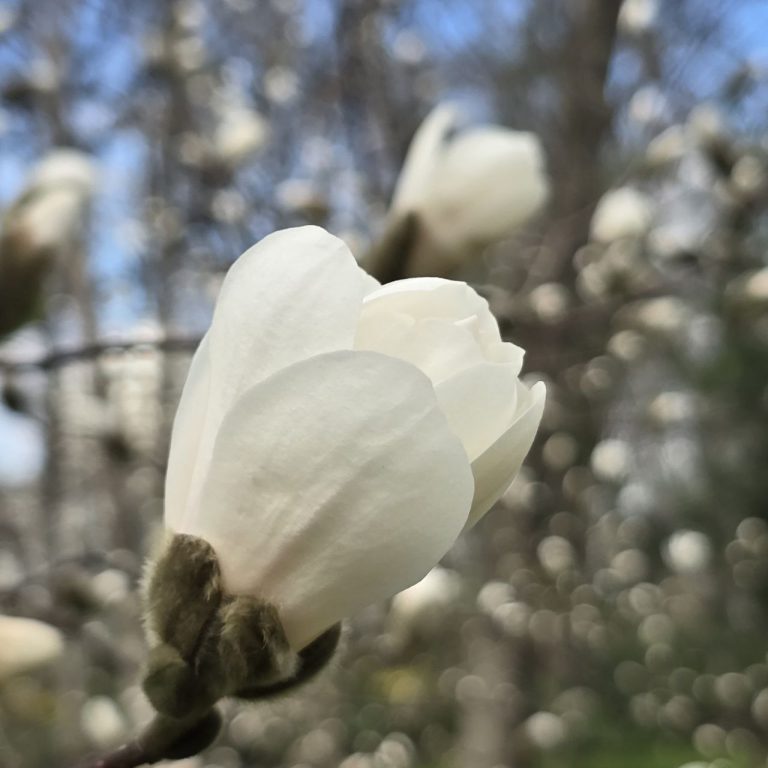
[(50, 207), (672, 408), (102, 722), (240, 133), (302, 197), (688, 551), (649, 105), (556, 554), (706, 124), (409, 48), (27, 644), (664, 316), (310, 449), (750, 289), (545, 730), (471, 188), (611, 460), (281, 85), (668, 146), (623, 212), (638, 16), (424, 603), (45, 221), (749, 177)]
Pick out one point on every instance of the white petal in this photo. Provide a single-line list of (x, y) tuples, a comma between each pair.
[(423, 159), (479, 403), (436, 298), (295, 294), (370, 283), (491, 180), (433, 297), (437, 347), (186, 435), (496, 468), (335, 483)]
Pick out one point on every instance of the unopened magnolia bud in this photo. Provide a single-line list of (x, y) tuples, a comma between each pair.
[(469, 188)]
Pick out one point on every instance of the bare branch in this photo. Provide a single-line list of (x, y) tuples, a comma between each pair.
[(164, 738), (60, 358)]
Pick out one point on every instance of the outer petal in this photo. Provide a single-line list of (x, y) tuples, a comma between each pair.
[(479, 402), (491, 180), (186, 435), (295, 294), (370, 283), (334, 484), (423, 160), (496, 467)]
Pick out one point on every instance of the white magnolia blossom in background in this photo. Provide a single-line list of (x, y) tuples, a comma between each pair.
[(335, 436), (621, 213), (240, 132), (435, 593), (27, 644), (472, 187), (41, 228), (638, 16), (49, 212)]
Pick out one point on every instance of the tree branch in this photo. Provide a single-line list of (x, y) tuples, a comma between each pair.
[(164, 738), (60, 358)]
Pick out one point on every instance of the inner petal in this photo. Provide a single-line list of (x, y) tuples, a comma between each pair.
[(438, 347), (479, 403)]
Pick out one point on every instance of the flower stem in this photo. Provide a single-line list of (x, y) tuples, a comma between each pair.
[(165, 738)]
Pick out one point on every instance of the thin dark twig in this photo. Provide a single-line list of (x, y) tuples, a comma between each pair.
[(60, 358), (164, 738)]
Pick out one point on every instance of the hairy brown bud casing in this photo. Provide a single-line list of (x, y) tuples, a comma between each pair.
[(207, 645)]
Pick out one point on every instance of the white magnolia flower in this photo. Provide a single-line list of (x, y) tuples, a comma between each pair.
[(43, 223), (623, 212), (239, 134), (638, 16), (334, 436), (470, 188), (27, 644), (51, 207)]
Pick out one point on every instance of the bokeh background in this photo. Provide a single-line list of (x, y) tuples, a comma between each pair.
[(612, 610)]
